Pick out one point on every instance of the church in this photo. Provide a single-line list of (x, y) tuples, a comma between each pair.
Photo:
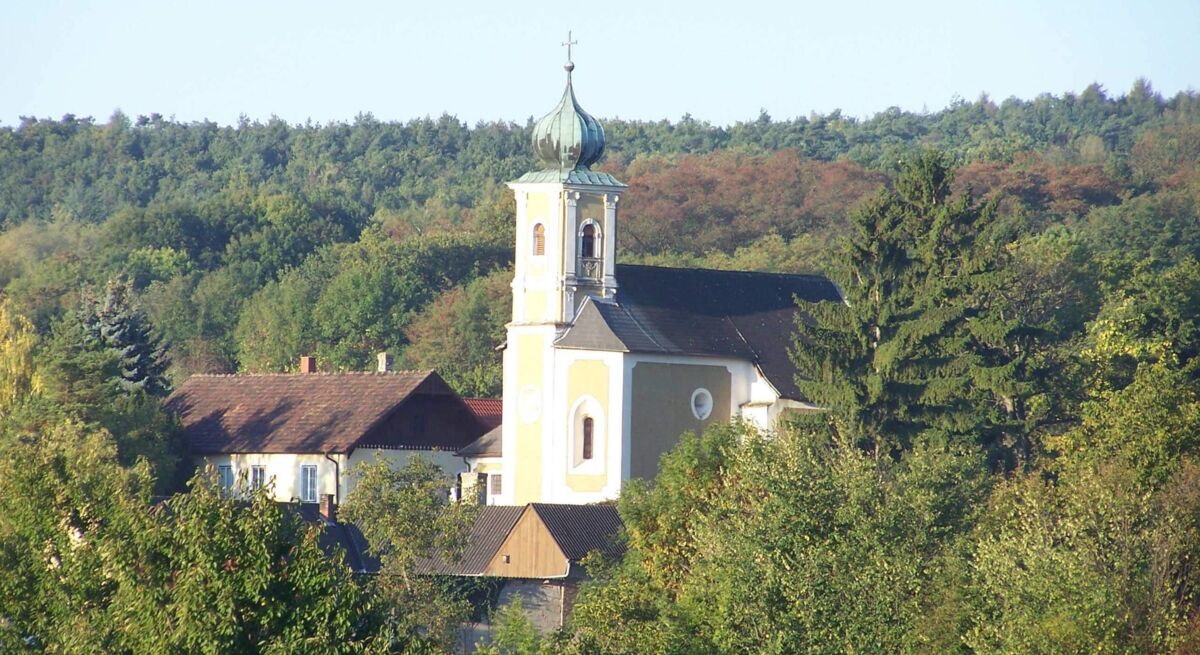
[(606, 365)]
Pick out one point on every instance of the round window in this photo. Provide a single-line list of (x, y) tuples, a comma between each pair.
[(702, 403)]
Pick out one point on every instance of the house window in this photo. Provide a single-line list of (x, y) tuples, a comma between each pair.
[(258, 476), (539, 240), (588, 426), (225, 476), (495, 485), (308, 483)]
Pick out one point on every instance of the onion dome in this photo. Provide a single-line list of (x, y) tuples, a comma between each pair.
[(568, 137), (567, 141)]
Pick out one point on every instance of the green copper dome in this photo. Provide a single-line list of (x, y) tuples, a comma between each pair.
[(567, 141), (568, 136)]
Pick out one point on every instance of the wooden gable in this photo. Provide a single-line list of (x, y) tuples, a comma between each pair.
[(529, 551)]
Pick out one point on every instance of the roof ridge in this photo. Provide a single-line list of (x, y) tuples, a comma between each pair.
[(728, 271), (316, 374)]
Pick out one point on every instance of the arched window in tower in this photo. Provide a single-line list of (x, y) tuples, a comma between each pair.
[(539, 240), (588, 246), (588, 437), (591, 265)]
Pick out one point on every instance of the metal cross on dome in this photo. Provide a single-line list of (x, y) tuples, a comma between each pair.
[(569, 43)]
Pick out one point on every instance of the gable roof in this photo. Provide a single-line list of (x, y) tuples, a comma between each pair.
[(682, 311), (492, 525), (576, 529), (581, 529), (489, 411), (489, 445), (298, 412)]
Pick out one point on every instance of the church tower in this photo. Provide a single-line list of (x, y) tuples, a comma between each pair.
[(565, 252)]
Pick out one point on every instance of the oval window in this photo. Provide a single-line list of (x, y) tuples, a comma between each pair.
[(702, 403)]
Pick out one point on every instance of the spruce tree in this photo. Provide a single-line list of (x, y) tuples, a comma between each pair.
[(922, 346), (120, 326)]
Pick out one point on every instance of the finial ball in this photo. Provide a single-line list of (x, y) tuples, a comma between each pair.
[(569, 66)]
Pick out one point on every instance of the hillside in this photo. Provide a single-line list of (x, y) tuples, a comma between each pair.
[(1008, 460)]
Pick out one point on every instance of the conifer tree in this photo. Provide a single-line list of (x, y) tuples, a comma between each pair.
[(118, 325), (920, 346)]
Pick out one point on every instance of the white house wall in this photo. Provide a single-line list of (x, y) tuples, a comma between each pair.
[(283, 469)]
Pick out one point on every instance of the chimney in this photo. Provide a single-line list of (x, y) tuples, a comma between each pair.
[(472, 487), (308, 364), (328, 508), (385, 362)]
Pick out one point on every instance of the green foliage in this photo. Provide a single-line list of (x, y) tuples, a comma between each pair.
[(1090, 564), (95, 567), (784, 545), (405, 515), (512, 633), (351, 301), (458, 334), (1052, 322), (18, 377)]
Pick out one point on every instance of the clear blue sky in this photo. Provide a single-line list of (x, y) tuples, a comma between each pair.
[(720, 61)]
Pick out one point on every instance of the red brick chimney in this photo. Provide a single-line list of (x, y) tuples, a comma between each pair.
[(328, 508), (308, 364)]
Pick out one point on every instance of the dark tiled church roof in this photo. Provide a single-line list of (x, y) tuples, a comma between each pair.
[(303, 413), (682, 311)]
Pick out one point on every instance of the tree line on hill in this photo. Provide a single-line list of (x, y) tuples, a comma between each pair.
[(1008, 463)]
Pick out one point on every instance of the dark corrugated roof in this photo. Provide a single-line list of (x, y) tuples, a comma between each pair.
[(298, 413), (489, 445), (682, 311), (581, 529), (491, 527), (347, 536), (489, 411)]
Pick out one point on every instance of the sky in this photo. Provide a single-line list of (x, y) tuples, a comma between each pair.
[(719, 61)]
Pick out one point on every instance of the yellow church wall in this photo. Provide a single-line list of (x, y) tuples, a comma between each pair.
[(530, 350), (536, 306), (537, 207), (661, 408), (591, 378)]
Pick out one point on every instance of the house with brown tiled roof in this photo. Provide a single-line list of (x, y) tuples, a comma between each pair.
[(304, 433)]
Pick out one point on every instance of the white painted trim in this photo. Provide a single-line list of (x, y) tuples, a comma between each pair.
[(595, 465)]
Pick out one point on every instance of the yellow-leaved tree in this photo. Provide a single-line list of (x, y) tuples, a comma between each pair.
[(18, 377)]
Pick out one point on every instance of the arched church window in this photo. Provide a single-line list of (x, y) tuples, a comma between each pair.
[(588, 243), (586, 449), (588, 436), (539, 240)]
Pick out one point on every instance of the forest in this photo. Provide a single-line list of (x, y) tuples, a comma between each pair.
[(1009, 463)]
